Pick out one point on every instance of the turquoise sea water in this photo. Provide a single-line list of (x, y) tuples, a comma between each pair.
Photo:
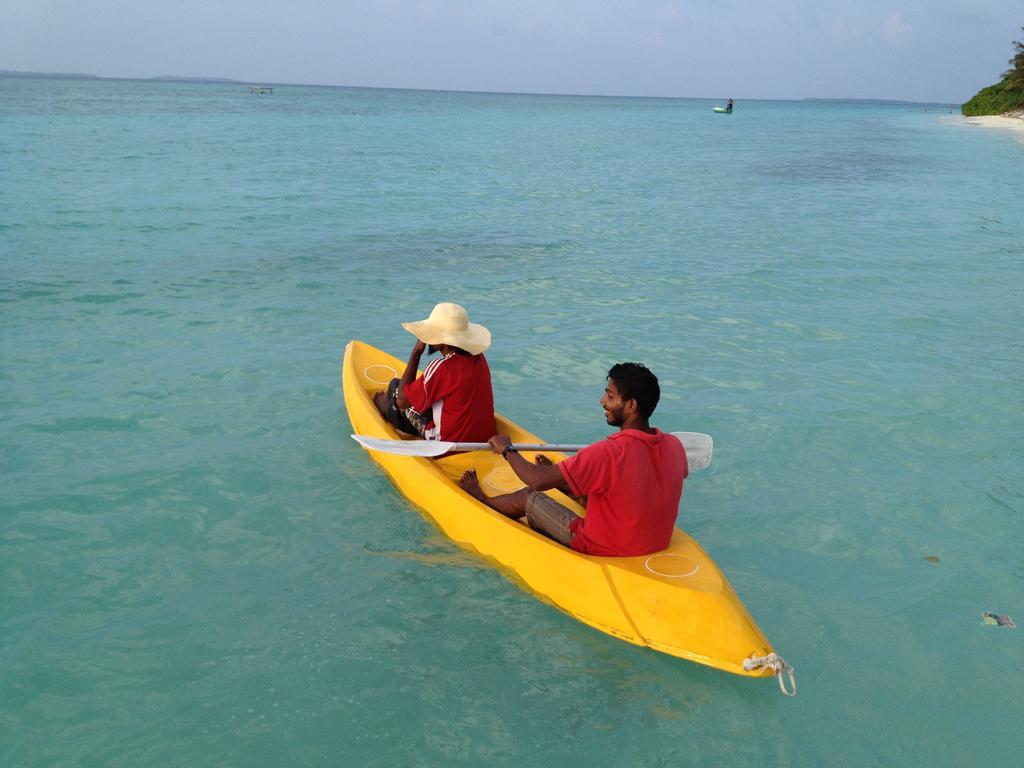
[(199, 567)]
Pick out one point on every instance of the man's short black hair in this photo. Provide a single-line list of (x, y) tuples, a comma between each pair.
[(636, 382)]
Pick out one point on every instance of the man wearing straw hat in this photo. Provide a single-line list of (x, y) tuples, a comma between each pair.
[(452, 400)]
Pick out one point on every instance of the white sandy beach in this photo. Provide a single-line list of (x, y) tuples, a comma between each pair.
[(1013, 121)]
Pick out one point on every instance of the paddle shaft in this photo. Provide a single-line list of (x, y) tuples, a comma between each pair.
[(699, 447), (566, 448)]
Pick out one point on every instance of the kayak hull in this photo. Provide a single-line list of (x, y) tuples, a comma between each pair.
[(676, 601)]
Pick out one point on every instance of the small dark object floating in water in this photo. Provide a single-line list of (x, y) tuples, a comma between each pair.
[(932, 558), (997, 619)]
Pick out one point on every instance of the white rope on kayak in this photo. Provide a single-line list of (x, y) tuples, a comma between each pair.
[(680, 558), (776, 664), (366, 373)]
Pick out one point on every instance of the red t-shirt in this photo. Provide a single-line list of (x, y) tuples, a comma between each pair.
[(458, 388), (633, 482)]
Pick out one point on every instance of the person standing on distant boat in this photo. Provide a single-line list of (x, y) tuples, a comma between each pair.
[(632, 481), (728, 107), (453, 399)]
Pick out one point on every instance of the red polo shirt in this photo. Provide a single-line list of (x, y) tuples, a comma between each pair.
[(633, 482)]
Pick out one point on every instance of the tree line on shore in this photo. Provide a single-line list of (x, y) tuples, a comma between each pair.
[(1005, 96)]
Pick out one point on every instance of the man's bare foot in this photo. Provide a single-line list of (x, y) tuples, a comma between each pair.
[(471, 485), (380, 399), (509, 504)]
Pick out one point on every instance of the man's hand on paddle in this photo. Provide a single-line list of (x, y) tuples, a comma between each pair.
[(499, 443), (538, 476)]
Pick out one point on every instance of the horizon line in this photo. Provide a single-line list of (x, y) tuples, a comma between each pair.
[(206, 80)]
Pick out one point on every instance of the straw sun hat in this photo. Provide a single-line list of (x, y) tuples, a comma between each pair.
[(449, 324)]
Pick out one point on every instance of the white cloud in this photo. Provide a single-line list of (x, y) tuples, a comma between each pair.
[(895, 27)]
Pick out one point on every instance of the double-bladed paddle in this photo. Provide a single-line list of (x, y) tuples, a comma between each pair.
[(699, 447)]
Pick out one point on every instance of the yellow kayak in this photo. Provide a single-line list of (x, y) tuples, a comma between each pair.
[(675, 601)]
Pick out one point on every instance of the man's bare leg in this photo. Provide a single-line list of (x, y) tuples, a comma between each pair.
[(509, 504), (380, 399)]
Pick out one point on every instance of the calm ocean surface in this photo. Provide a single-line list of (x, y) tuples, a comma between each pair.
[(198, 567)]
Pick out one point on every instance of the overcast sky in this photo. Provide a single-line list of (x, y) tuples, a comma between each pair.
[(922, 50)]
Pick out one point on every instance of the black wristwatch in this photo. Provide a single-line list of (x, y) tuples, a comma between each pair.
[(508, 449)]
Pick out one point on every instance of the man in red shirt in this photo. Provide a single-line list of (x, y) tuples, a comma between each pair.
[(452, 400), (632, 481)]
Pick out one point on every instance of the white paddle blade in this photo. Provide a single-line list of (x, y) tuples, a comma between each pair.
[(428, 448), (699, 448)]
